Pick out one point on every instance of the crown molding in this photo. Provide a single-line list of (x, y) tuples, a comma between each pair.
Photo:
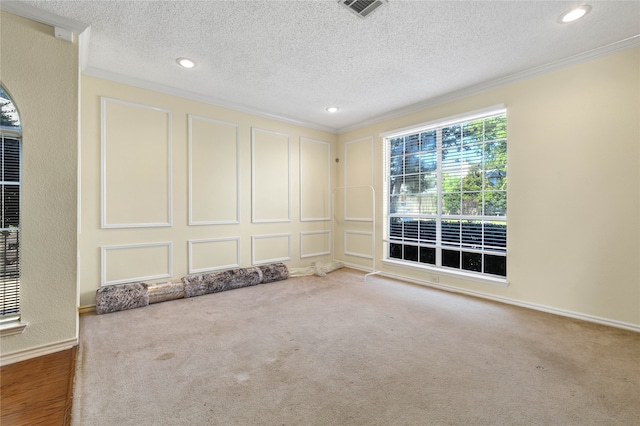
[(185, 94), (608, 49), (83, 30), (42, 16)]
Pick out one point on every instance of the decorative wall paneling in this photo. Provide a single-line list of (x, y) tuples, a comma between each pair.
[(136, 165), (315, 180), (136, 262), (214, 254), (214, 172), (359, 244), (270, 248), (315, 243), (270, 177), (358, 177), (220, 189)]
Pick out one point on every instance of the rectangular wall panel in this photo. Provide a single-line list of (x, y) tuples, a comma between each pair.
[(315, 180), (213, 254), (136, 262), (315, 243), (213, 172), (358, 178), (136, 165), (270, 191), (359, 244), (270, 248)]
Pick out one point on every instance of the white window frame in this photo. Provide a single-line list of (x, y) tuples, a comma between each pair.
[(11, 324), (388, 240)]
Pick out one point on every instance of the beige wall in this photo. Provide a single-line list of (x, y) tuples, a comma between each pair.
[(574, 189), (241, 213), (41, 74)]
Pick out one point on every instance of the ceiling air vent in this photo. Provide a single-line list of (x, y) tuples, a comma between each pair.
[(362, 8)]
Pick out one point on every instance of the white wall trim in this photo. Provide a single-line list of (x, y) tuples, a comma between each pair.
[(355, 266), (506, 300), (455, 273), (255, 261), (328, 200), (363, 255), (48, 18), (370, 139), (37, 351), (446, 121), (12, 327), (304, 233), (185, 94), (103, 162), (103, 263), (501, 81), (253, 177), (429, 103), (192, 117), (509, 301), (43, 16), (213, 268)]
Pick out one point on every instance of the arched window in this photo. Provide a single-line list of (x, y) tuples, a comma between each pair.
[(10, 178)]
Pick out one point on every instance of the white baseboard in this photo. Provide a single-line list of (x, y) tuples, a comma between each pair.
[(556, 311), (30, 353), (366, 269)]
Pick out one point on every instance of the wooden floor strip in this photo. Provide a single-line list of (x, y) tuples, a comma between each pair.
[(38, 391)]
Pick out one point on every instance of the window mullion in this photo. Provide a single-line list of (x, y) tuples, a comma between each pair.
[(439, 198), (483, 175)]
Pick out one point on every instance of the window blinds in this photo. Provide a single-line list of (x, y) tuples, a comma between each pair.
[(10, 229), (446, 187)]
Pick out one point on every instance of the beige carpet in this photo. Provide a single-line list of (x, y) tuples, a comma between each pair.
[(341, 351)]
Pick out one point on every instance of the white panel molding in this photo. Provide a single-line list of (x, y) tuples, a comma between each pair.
[(190, 148), (43, 350), (254, 130), (346, 182), (363, 255), (103, 161), (192, 270), (255, 261), (328, 200), (306, 233), (103, 266)]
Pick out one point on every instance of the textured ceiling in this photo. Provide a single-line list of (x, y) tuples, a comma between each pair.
[(295, 58)]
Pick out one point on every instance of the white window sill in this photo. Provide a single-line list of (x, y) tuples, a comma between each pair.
[(484, 279), (10, 328)]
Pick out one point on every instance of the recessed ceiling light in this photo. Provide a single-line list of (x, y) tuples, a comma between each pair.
[(186, 62), (333, 109), (574, 14)]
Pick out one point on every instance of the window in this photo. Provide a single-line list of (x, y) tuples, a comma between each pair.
[(10, 171), (446, 194)]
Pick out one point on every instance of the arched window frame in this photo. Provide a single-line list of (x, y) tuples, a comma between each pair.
[(10, 228)]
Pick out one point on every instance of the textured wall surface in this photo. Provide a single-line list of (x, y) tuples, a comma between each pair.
[(41, 74)]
